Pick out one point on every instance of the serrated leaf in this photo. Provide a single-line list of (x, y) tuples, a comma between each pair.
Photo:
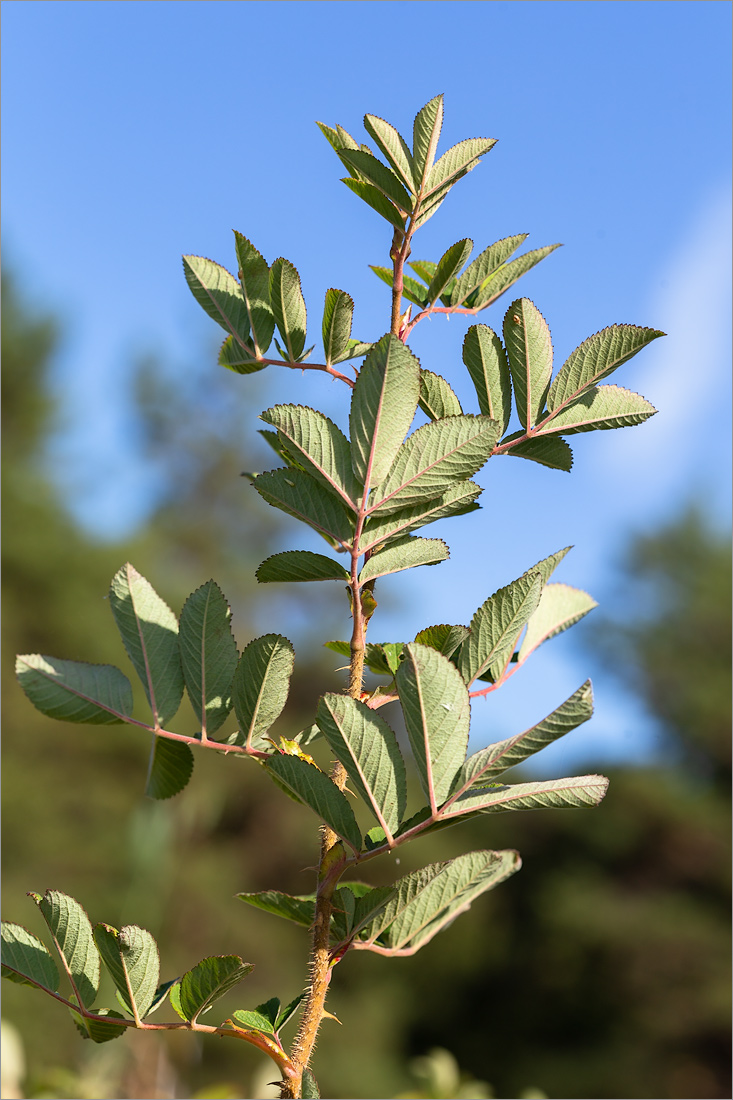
[(374, 658), (364, 906), (74, 691), (412, 290), (560, 607), (355, 349), (288, 1012), (254, 1018), (449, 265), (303, 497), (425, 269), (374, 198), (208, 981), (481, 768), (254, 278), (384, 179), (437, 399), (288, 307), (131, 957), (233, 356), (338, 312), (529, 350), (367, 747), (299, 909), (72, 932), (209, 654), (425, 134), (549, 451), (318, 446), (383, 406), (309, 1089), (99, 1031), (599, 407), (445, 638), (578, 790), (454, 502), (149, 632), (337, 138), (393, 146), (300, 565), (316, 790), (404, 554), (220, 295), (506, 276), (486, 362), (170, 768), (479, 270), (454, 164), (26, 960), (596, 358), (434, 459), (496, 626), (428, 899), (261, 685), (435, 704)]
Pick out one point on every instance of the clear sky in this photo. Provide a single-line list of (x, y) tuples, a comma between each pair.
[(134, 132)]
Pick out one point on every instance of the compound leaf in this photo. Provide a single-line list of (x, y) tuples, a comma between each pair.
[(507, 275), (393, 146), (171, 767), (548, 450), (560, 607), (26, 960), (338, 312), (149, 632), (485, 264), (496, 626), (234, 357), (373, 197), (404, 554), (449, 265), (74, 691), (309, 785), (454, 164), (318, 446), (99, 1031), (131, 957), (456, 501), (261, 685), (486, 362), (384, 179), (208, 654), (529, 349), (220, 295), (303, 497), (288, 306), (208, 981), (72, 932), (301, 909), (300, 565), (578, 790), (599, 407), (254, 278), (596, 358), (425, 134), (437, 399)]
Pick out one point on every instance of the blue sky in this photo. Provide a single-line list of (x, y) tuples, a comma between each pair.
[(136, 132)]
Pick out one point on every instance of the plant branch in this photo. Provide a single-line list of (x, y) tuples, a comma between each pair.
[(307, 366)]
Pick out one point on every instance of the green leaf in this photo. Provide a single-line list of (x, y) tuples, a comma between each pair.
[(300, 495), (454, 164), (99, 1031), (497, 625), (375, 657), (366, 746), (393, 146), (309, 1089), (220, 295), (26, 960), (449, 265), (288, 307), (299, 909), (360, 904), (316, 790), (454, 502), (425, 269), (337, 138), (596, 358), (446, 639), (404, 554), (74, 691), (529, 348), (208, 654), (579, 790), (255, 1018), (486, 362), (507, 275), (548, 565), (437, 712), (549, 451), (131, 957), (599, 407), (481, 768), (479, 270), (412, 290), (383, 406), (72, 933), (288, 1012), (338, 312), (384, 179), (374, 198), (171, 767), (318, 446), (437, 399), (149, 632), (560, 607), (434, 459), (425, 134), (235, 358), (208, 981), (254, 277), (354, 350), (429, 899), (300, 565), (261, 685)]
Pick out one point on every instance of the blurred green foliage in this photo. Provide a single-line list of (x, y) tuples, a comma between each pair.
[(602, 970)]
